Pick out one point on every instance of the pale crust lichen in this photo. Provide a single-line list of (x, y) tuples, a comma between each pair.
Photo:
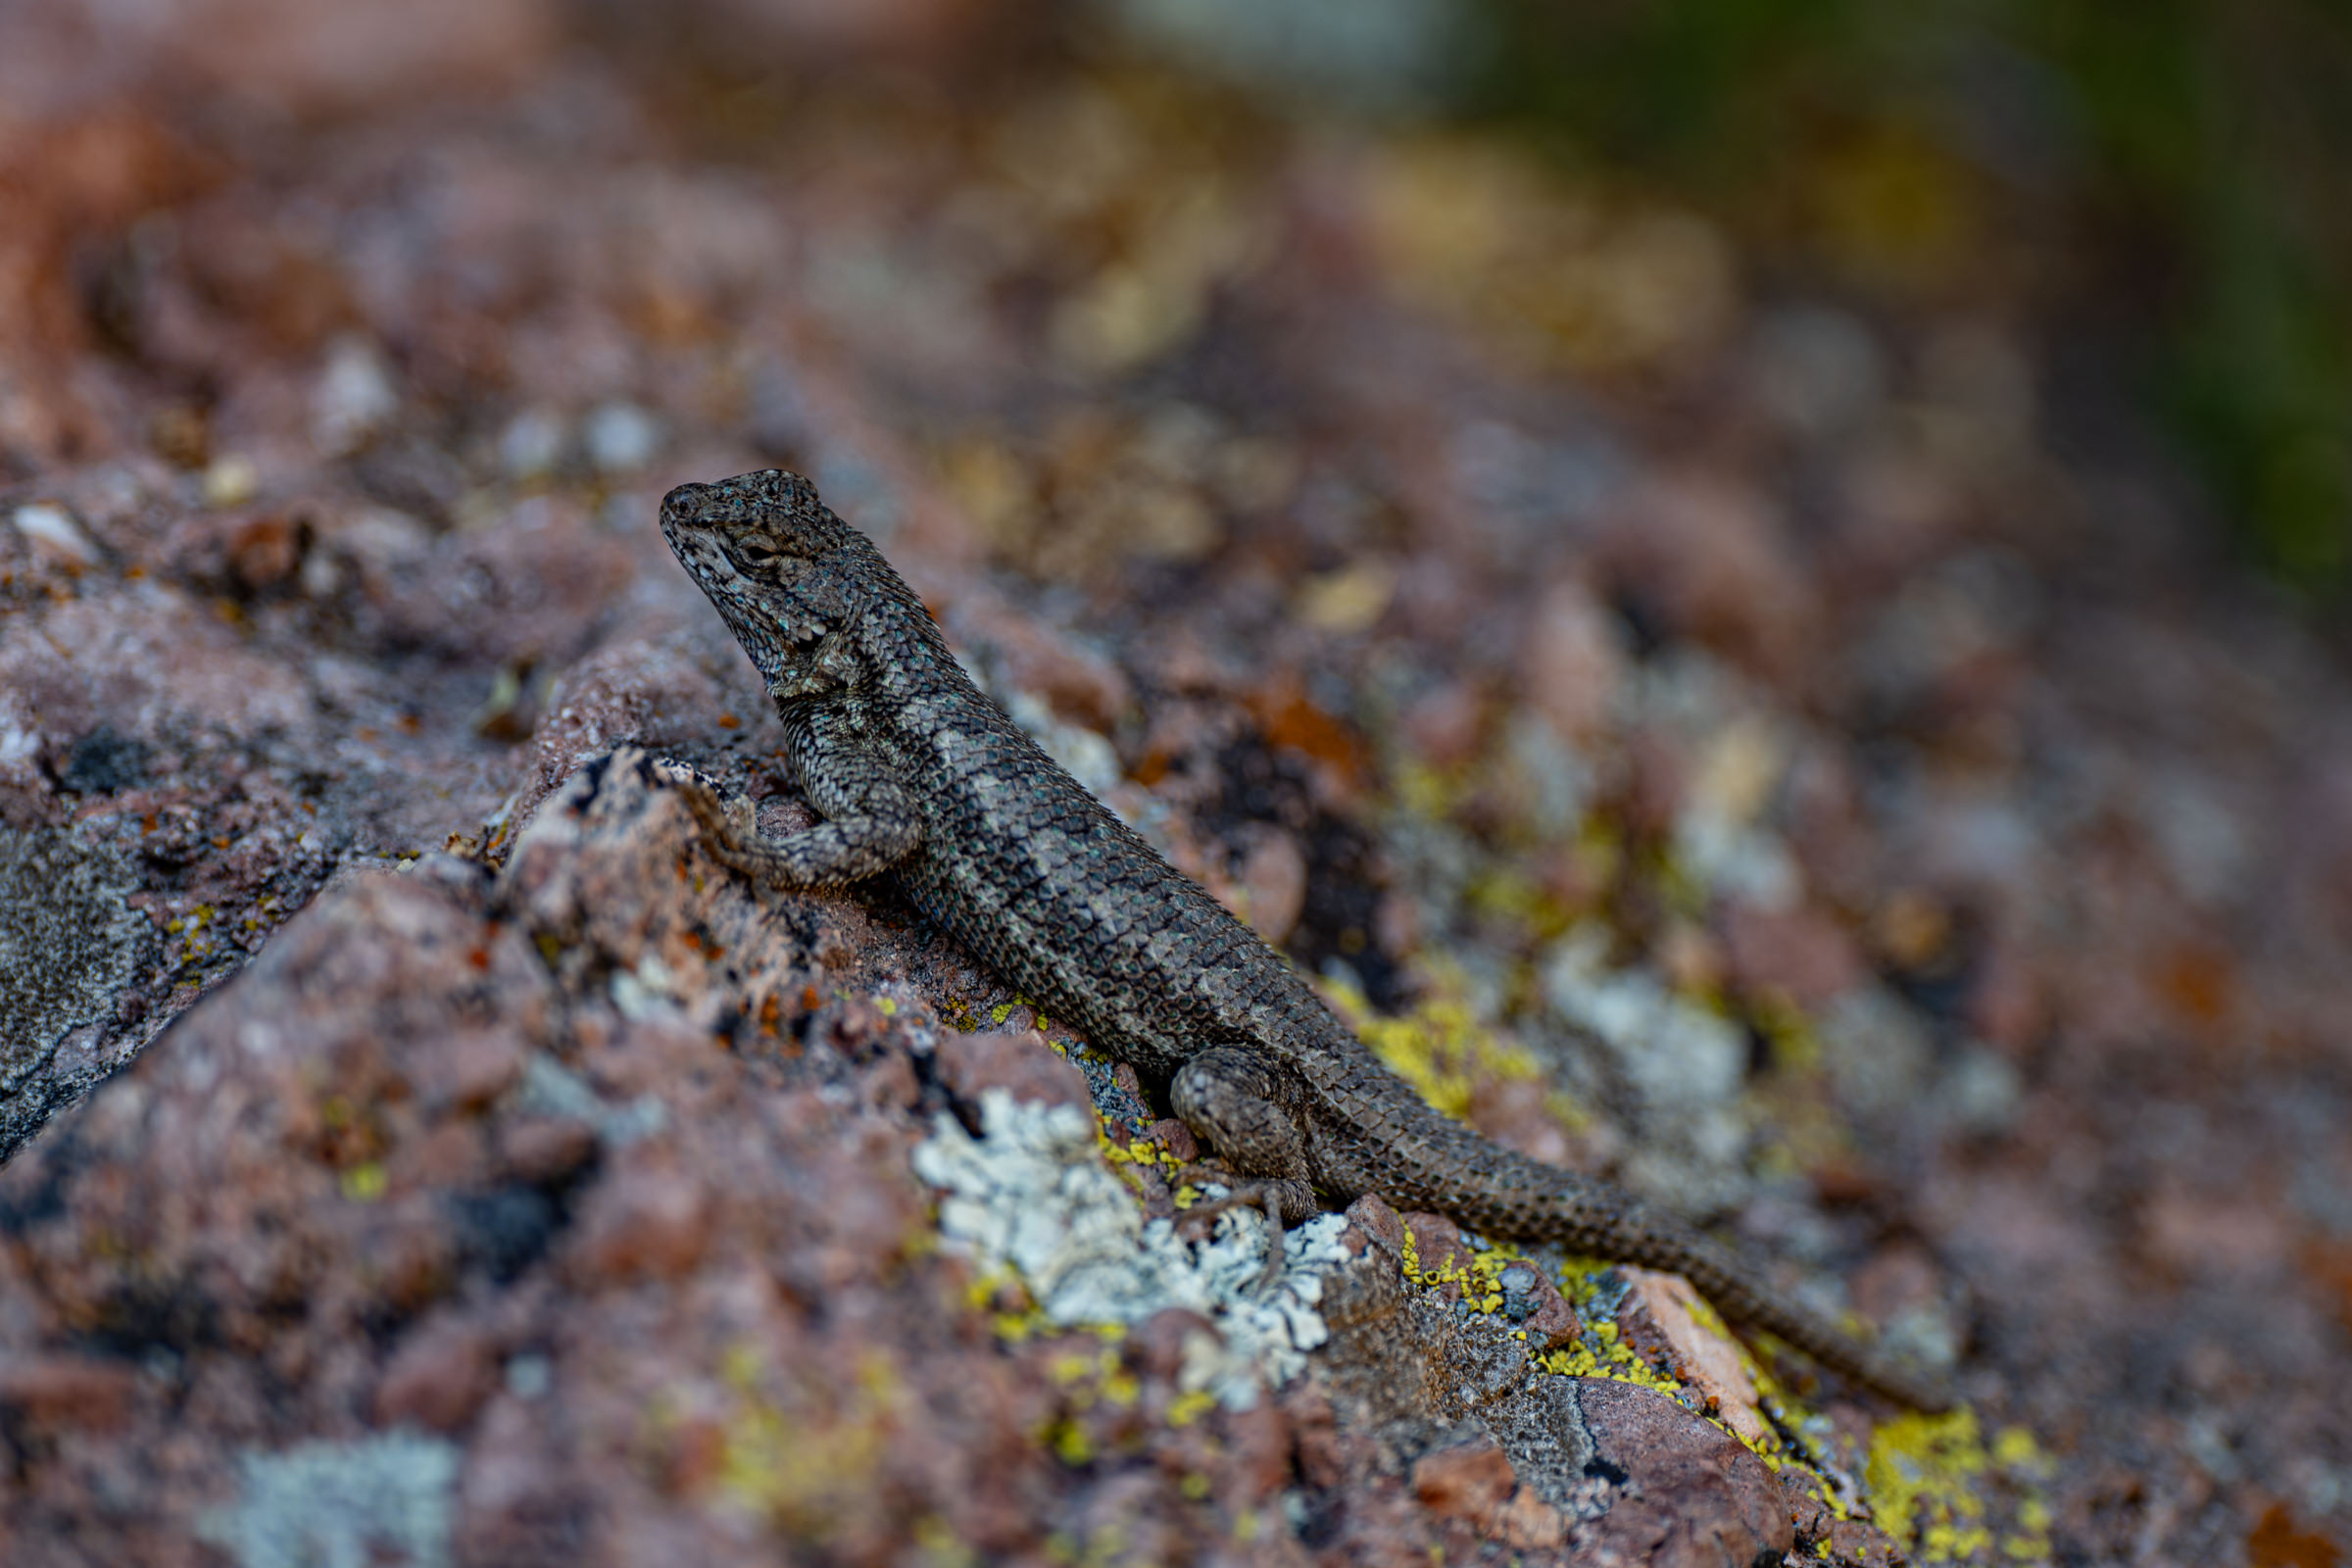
[(68, 943)]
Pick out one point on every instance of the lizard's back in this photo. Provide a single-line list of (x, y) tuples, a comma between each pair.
[(1048, 885)]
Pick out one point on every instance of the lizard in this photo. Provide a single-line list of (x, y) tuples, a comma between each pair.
[(917, 772)]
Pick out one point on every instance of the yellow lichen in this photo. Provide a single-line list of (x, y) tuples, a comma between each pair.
[(365, 1184), (1070, 1442), (1424, 791), (1507, 894), (1926, 1478), (1017, 1328), (1141, 1152), (940, 1546), (797, 1453), (1440, 1048), (1186, 1408)]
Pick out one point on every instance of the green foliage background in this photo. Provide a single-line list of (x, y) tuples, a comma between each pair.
[(2190, 161)]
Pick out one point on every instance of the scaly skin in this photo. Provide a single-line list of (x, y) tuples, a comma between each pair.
[(917, 772)]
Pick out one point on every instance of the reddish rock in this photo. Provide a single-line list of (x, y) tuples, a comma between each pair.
[(647, 1221), (1438, 1241), (2232, 1234), (63, 1391), (367, 51), (1317, 1447), (1443, 725), (1704, 1499), (1022, 1065), (796, 29), (543, 1151), (1661, 1316), (1711, 555), (1529, 1523), (1258, 1439), (468, 1070), (1272, 883), (1796, 954), (1551, 1323), (890, 1085), (1177, 1139), (1376, 1219), (439, 1376), (70, 182), (1159, 1341), (1470, 1482), (330, 421), (1569, 663), (1895, 1279), (1079, 682)]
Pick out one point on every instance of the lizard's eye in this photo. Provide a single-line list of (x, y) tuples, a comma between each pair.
[(751, 558)]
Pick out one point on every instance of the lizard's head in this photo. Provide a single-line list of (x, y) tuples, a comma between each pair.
[(777, 563)]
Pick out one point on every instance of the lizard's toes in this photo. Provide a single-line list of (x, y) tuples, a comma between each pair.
[(722, 821), (1256, 1193), (700, 798), (677, 775)]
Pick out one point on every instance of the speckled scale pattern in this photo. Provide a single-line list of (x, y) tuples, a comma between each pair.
[(917, 772)]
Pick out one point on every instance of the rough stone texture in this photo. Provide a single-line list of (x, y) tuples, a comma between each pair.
[(422, 1163), (1470, 1482), (1021, 1064), (68, 943), (581, 1164), (1704, 1500), (1660, 1318), (1972, 853), (1601, 1470)]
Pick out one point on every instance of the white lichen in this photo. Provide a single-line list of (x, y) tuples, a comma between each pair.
[(383, 1501), (68, 942), (51, 529), (1676, 1053), (1032, 1195), (550, 1089), (355, 398)]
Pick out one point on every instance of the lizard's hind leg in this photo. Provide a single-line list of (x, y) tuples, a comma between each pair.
[(1230, 1099)]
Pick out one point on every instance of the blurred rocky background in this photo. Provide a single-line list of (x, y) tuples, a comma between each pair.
[(1754, 591)]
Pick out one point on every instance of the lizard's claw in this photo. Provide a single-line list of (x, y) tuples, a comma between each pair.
[(1242, 1191), (725, 822)]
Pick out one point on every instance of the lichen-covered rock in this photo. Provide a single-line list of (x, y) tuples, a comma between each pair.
[(68, 942), (1766, 772)]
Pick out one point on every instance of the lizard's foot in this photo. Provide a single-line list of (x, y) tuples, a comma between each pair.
[(725, 823), (1270, 1197)]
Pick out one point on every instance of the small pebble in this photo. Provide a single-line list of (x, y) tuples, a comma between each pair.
[(230, 480), (52, 532), (355, 400), (621, 438), (531, 445)]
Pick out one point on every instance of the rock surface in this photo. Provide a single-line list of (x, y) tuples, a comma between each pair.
[(1697, 738)]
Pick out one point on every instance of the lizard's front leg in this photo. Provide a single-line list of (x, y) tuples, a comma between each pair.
[(871, 824)]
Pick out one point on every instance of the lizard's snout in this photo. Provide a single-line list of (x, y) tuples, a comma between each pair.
[(685, 503)]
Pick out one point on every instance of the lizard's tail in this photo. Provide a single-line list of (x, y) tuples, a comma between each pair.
[(1733, 1286), (1599, 1220)]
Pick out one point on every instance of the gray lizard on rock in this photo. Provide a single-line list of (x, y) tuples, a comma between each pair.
[(917, 772)]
